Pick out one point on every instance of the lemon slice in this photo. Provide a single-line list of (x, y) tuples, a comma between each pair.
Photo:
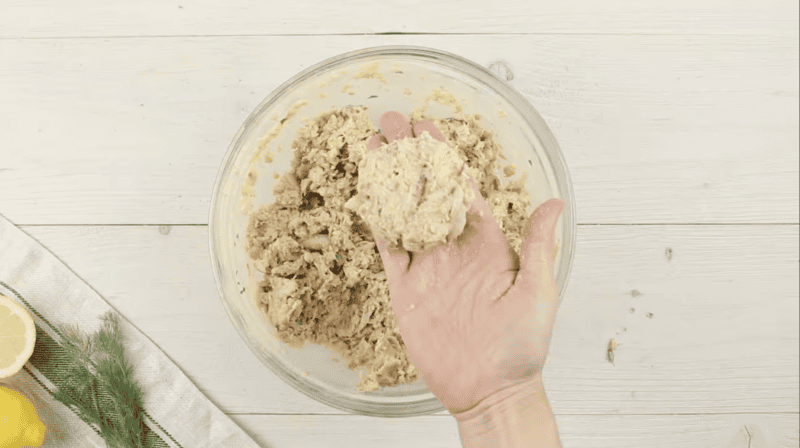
[(17, 336)]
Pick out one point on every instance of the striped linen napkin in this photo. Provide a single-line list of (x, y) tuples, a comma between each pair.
[(176, 413)]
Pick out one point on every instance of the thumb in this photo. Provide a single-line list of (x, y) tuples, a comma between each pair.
[(535, 292), (537, 254)]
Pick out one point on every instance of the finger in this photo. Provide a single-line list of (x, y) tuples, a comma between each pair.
[(482, 220), (395, 126), (395, 261), (538, 250), (426, 125), (483, 239), (374, 142)]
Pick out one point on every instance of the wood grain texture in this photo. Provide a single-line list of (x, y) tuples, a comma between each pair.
[(713, 330), (577, 431), (31, 19), (119, 113), (655, 129)]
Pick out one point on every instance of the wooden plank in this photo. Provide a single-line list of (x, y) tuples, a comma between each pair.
[(590, 431), (655, 129), (714, 327), (248, 17)]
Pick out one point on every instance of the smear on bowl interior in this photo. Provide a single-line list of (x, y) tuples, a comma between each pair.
[(323, 278), (248, 188)]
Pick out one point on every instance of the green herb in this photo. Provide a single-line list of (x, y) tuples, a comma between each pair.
[(100, 387), (373, 96)]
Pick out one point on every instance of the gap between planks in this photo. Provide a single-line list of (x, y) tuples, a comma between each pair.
[(392, 33)]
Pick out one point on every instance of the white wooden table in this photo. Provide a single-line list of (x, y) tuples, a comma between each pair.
[(678, 120)]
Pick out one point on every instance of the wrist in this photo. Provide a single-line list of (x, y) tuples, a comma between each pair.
[(516, 416)]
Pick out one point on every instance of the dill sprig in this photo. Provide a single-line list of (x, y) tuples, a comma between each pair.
[(99, 385)]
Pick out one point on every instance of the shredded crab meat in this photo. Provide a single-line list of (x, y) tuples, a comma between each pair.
[(323, 278)]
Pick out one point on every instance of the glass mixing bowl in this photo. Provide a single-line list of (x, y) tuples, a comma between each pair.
[(382, 78)]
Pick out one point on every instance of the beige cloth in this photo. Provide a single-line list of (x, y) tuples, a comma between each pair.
[(178, 414)]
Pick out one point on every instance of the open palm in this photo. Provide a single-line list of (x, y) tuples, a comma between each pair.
[(475, 318)]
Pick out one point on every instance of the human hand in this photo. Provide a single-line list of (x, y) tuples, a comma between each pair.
[(475, 318)]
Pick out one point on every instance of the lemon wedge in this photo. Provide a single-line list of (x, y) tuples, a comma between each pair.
[(17, 336), (20, 425)]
